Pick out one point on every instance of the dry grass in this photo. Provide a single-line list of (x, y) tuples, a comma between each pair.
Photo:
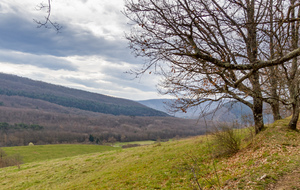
[(272, 154)]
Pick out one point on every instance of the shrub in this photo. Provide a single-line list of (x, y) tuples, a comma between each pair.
[(2, 154), (227, 140), (13, 160), (112, 140)]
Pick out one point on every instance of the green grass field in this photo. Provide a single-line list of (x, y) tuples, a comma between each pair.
[(170, 165), (47, 152)]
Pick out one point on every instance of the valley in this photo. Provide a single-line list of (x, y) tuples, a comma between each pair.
[(27, 102), (76, 148)]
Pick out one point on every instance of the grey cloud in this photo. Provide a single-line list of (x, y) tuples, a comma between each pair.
[(42, 61), (85, 82), (20, 34), (118, 79), (144, 83), (91, 83), (84, 1), (115, 88)]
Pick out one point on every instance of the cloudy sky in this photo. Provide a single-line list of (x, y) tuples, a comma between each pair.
[(90, 53)]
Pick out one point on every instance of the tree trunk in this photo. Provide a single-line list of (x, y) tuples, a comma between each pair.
[(273, 78), (258, 115), (252, 51), (257, 104), (276, 110), (294, 74), (295, 116)]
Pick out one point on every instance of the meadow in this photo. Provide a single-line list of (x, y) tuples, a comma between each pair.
[(47, 152), (188, 163)]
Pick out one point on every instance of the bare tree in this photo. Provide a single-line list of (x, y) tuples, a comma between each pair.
[(283, 81), (272, 77), (292, 72), (47, 22), (208, 50)]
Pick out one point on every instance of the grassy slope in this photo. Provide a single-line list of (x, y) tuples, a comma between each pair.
[(272, 153)]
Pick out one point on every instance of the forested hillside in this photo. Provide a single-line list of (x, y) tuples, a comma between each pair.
[(11, 85), (19, 126), (32, 111)]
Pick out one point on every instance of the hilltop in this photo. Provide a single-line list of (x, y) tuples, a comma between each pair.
[(27, 90), (263, 162)]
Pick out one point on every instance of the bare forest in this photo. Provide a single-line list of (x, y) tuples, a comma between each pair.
[(47, 123)]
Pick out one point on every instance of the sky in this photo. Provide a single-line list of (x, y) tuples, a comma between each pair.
[(90, 52)]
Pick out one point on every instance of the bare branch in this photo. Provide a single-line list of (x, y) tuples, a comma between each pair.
[(47, 20)]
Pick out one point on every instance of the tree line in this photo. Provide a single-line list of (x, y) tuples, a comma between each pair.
[(22, 126), (19, 126)]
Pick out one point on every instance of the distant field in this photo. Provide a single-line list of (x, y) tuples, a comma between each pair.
[(120, 144), (47, 152)]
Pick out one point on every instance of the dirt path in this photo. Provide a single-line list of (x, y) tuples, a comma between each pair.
[(290, 181)]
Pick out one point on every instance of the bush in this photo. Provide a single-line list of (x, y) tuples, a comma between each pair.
[(227, 140), (13, 160)]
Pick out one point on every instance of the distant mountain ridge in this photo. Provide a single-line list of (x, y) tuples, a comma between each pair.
[(164, 106), (11, 85), (229, 111), (191, 113)]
